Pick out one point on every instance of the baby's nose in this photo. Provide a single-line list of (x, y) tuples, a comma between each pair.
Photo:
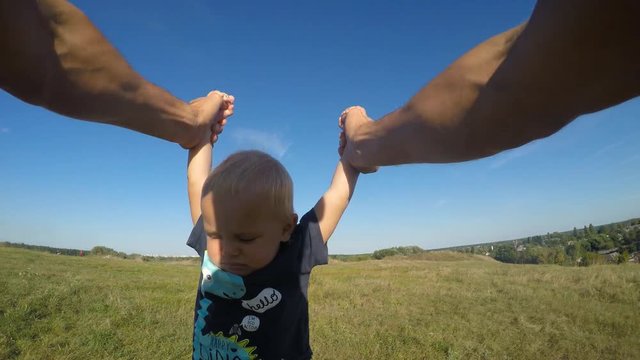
[(230, 248)]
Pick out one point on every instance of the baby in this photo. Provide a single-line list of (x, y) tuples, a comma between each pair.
[(256, 257)]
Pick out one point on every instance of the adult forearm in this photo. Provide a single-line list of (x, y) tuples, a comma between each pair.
[(573, 57), (57, 59)]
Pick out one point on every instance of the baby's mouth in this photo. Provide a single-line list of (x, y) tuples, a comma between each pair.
[(236, 268)]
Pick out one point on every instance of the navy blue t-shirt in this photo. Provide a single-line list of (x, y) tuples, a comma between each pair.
[(263, 315)]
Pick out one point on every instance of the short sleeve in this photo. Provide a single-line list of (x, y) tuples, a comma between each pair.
[(314, 249), (198, 239)]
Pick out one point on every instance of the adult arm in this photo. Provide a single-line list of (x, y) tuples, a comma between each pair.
[(571, 58), (54, 57)]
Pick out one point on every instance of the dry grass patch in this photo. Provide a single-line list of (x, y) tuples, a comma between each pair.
[(402, 309), (444, 307)]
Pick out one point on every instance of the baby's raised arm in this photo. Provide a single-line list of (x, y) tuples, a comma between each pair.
[(198, 168), (331, 206)]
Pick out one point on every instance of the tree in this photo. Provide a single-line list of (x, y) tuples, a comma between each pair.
[(573, 250), (505, 253), (623, 257), (589, 258), (559, 256), (103, 251), (399, 250)]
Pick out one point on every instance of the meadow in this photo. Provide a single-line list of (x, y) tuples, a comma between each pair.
[(432, 306)]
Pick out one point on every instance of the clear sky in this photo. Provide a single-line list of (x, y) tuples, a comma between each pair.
[(293, 66)]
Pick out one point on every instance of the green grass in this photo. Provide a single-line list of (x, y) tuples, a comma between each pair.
[(444, 306)]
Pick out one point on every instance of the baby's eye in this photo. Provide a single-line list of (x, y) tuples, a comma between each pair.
[(246, 239)]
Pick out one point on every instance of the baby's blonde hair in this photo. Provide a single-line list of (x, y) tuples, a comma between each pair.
[(257, 173)]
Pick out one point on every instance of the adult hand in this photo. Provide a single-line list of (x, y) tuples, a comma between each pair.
[(212, 112), (351, 121)]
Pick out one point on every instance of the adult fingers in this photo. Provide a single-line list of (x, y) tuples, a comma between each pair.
[(210, 105)]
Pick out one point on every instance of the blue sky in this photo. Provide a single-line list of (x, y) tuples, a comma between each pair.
[(293, 67)]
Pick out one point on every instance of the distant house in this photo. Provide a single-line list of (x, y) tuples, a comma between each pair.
[(608, 251), (613, 257), (610, 255), (520, 248)]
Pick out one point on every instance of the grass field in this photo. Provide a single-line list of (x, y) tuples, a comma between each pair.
[(442, 306)]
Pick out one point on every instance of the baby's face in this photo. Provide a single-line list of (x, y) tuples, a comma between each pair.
[(243, 232)]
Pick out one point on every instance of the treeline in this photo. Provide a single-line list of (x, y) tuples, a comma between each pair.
[(102, 251), (613, 243), (356, 257), (108, 252), (398, 250), (60, 251), (381, 254), (105, 251)]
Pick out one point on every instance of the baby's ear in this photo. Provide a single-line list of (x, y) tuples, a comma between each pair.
[(288, 228)]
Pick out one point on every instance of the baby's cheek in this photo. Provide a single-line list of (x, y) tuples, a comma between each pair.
[(265, 255), (214, 249)]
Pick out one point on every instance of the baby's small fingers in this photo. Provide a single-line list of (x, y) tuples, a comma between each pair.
[(229, 99), (217, 92), (341, 119)]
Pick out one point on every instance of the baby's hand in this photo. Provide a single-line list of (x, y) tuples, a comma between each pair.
[(225, 111), (349, 121), (213, 110)]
